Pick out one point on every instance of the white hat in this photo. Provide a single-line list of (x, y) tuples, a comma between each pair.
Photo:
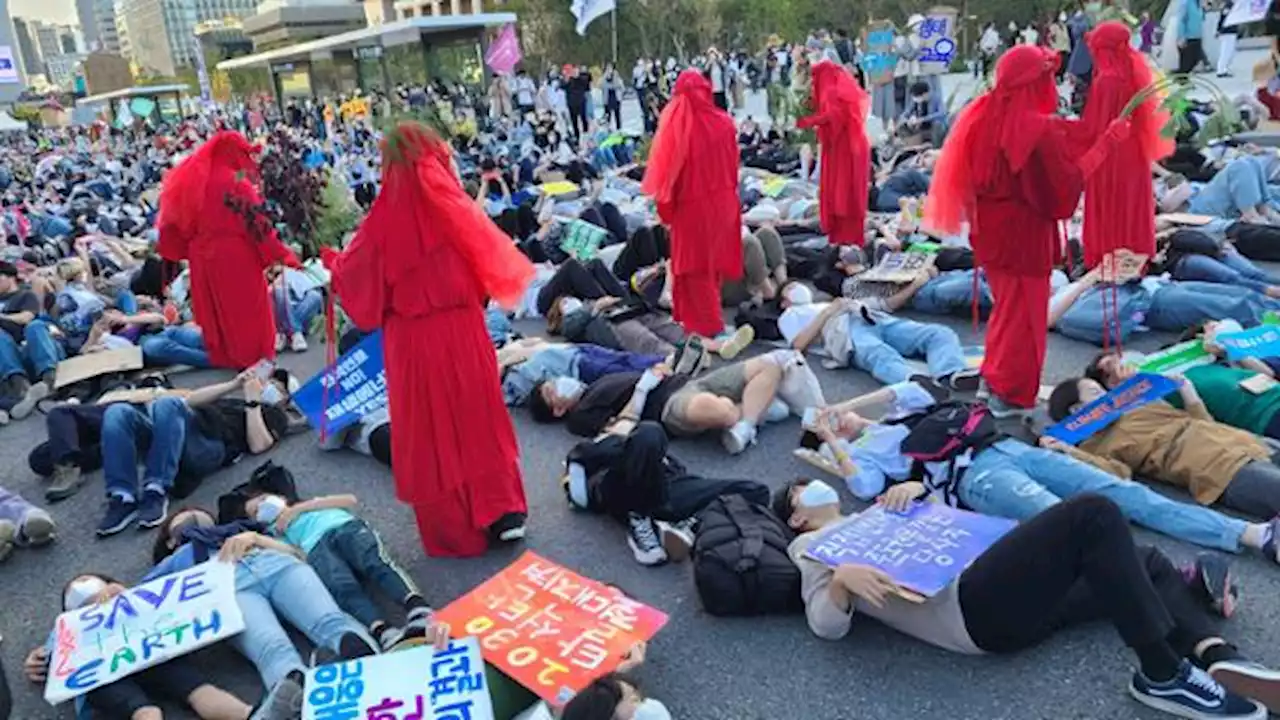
[(914, 20)]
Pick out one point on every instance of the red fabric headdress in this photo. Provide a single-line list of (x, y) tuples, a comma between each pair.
[(185, 187), (688, 119), (835, 90), (1003, 124), (421, 198), (1113, 56)]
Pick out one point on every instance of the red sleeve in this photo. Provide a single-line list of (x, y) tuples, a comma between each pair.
[(815, 120), (1051, 181), (357, 279), (173, 244)]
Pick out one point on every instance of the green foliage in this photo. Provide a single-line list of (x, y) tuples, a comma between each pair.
[(338, 214)]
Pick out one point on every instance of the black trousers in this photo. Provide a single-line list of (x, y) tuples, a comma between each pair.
[(578, 122), (721, 100), (589, 281), (1254, 490), (647, 246), (75, 438), (643, 480), (1190, 55), (1075, 563), (613, 112)]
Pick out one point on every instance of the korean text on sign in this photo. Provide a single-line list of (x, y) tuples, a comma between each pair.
[(354, 387), (142, 627), (421, 683), (549, 628)]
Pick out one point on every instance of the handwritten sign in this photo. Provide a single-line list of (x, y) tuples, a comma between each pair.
[(549, 628), (900, 267), (1141, 389), (880, 59), (420, 683), (1257, 342), (353, 388), (923, 550), (937, 41), (141, 628)]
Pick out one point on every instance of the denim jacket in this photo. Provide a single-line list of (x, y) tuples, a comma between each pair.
[(552, 362)]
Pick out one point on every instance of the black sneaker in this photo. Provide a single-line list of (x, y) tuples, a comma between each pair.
[(939, 392), (153, 509), (1193, 693), (645, 541), (120, 514), (508, 528), (965, 381), (351, 646), (1210, 578)]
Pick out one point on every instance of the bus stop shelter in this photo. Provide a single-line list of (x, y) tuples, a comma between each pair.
[(411, 51), (154, 104)]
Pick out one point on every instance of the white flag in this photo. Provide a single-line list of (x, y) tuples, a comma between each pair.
[(588, 10)]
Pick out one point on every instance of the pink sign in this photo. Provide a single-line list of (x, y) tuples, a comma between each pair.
[(504, 52)]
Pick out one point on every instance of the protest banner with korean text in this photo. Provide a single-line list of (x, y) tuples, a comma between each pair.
[(923, 549), (142, 627), (1262, 341), (879, 58), (549, 628), (354, 387), (1141, 389), (938, 47), (420, 683)]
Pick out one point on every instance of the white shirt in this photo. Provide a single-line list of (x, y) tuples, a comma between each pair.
[(796, 318), (524, 91), (717, 78)]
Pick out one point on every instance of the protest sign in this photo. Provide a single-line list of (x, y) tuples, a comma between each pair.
[(1122, 267), (1246, 11), (421, 682), (1176, 359), (923, 549), (1141, 389), (879, 58), (900, 267), (937, 41), (142, 627), (549, 628), (83, 367), (354, 387), (1262, 341)]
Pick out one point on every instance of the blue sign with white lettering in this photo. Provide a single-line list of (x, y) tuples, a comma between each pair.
[(354, 387), (1259, 342), (1141, 389)]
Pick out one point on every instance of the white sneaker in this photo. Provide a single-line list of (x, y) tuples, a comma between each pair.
[(37, 392), (737, 438), (642, 536), (282, 342), (298, 342), (776, 412), (677, 539)]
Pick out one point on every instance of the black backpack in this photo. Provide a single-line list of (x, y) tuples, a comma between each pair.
[(740, 560), (944, 432)]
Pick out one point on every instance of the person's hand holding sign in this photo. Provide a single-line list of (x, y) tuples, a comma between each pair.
[(1052, 443), (869, 583), (899, 497), (237, 546), (36, 666), (633, 658)]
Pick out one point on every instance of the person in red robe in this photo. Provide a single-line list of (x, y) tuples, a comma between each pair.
[(1009, 168), (210, 215), (840, 117), (420, 267), (692, 175), (1119, 207)]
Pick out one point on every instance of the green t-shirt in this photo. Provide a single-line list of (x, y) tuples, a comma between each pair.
[(1227, 402)]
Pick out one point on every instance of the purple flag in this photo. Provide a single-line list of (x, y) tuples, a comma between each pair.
[(504, 52)]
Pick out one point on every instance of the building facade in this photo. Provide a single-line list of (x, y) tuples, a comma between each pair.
[(159, 35), (28, 52), (108, 36), (61, 69), (87, 14), (406, 9), (48, 42)]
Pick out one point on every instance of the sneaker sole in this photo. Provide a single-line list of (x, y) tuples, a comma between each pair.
[(1259, 684), (118, 527), (1182, 711), (27, 405), (512, 534), (742, 337), (677, 545), (8, 537), (38, 530), (62, 493)]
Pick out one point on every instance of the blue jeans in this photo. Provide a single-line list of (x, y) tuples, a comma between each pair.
[(881, 349), (175, 346), (163, 430), (498, 326), (1177, 306), (1241, 185), (38, 354), (1015, 480), (296, 315), (271, 586), (950, 293), (1230, 269)]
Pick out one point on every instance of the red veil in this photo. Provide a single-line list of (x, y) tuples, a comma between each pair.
[(222, 158), (1003, 124), (688, 120), (841, 106)]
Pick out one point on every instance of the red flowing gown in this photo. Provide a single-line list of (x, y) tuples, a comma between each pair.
[(846, 153)]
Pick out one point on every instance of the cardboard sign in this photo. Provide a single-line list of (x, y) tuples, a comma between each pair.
[(923, 550), (879, 58), (142, 627), (1187, 219), (354, 387), (1256, 342), (418, 683), (549, 628), (82, 367), (1122, 267), (900, 267), (1177, 359), (937, 41), (1141, 389)]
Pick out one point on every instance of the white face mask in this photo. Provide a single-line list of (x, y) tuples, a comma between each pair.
[(569, 305), (80, 592), (269, 508), (799, 294), (1062, 17), (651, 709), (816, 494), (567, 388), (271, 394)]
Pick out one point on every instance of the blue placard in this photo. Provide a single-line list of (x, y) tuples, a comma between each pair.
[(1141, 389), (923, 550), (1258, 342), (357, 386)]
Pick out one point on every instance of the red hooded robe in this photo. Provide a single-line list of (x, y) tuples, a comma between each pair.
[(692, 175), (1008, 170), (420, 268), (1119, 207), (227, 256), (841, 114)]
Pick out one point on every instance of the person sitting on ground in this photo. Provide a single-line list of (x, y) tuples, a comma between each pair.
[(22, 524), (1217, 464), (1005, 477), (733, 399), (26, 341), (863, 334), (924, 119), (1005, 602), (298, 299), (341, 547), (764, 269), (627, 473)]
